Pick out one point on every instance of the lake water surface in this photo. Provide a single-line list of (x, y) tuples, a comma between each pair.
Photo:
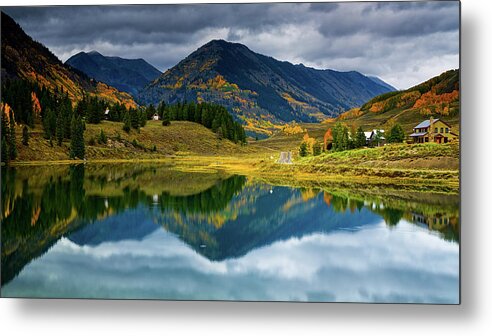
[(154, 232)]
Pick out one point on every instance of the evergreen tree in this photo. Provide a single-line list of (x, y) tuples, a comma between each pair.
[(316, 149), (160, 109), (212, 116), (150, 111), (220, 133), (198, 114), (95, 111), (49, 123), (77, 146), (378, 138), (206, 118), (172, 110), (67, 113), (165, 118), (341, 139), (117, 112), (5, 138), (25, 136), (396, 134), (134, 118), (60, 126), (360, 138), (127, 122), (215, 124), (4, 149), (12, 141), (80, 109), (225, 130), (303, 149), (191, 111), (142, 118)]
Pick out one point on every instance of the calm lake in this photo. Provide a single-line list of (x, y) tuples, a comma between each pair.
[(155, 232)]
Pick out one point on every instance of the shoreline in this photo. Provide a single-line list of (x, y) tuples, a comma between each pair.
[(296, 174)]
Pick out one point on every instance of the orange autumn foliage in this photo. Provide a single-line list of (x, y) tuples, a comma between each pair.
[(308, 194), (439, 101), (309, 141), (292, 129), (377, 107), (36, 106), (328, 137), (6, 109), (350, 114), (327, 198)]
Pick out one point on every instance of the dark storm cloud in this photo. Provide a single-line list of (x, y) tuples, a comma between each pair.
[(393, 19), (131, 23), (403, 43)]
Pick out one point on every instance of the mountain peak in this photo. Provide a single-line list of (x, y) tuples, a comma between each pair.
[(217, 41), (94, 53), (222, 44), (258, 87), (128, 75)]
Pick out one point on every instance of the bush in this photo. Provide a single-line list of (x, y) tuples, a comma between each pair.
[(316, 149), (102, 138)]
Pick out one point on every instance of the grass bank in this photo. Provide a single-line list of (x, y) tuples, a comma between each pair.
[(191, 147)]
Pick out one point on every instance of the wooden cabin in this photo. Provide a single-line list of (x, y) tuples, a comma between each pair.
[(433, 130)]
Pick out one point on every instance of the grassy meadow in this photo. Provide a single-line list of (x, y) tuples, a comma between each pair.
[(191, 147)]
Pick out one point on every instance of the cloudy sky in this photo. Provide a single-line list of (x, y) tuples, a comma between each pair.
[(402, 43)]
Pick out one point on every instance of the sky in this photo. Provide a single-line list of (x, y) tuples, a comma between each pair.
[(402, 43)]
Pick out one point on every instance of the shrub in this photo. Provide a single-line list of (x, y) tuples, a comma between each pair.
[(102, 138)]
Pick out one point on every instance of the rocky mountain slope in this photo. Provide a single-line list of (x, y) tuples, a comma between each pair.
[(24, 58), (260, 90)]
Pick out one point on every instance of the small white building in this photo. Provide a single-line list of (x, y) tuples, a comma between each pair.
[(372, 136), (155, 117)]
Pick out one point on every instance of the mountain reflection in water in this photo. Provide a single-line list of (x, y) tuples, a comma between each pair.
[(144, 231)]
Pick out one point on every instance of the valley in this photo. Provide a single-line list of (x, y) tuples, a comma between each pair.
[(279, 105), (233, 152)]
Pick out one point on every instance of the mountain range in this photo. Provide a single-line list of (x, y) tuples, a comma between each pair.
[(24, 58), (128, 75), (260, 90)]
